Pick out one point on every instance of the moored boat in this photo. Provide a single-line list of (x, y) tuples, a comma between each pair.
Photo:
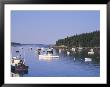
[(88, 59), (48, 55), (18, 65)]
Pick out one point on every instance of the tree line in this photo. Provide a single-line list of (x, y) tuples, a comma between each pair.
[(14, 43), (91, 39)]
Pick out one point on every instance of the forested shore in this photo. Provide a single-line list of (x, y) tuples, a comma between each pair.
[(91, 39)]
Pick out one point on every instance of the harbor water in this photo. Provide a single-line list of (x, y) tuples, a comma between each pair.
[(65, 65)]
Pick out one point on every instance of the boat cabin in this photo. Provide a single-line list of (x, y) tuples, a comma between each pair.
[(50, 51)]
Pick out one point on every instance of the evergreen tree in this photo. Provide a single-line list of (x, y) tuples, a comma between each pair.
[(91, 39)]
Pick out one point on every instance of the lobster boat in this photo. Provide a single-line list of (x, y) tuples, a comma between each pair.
[(18, 65)]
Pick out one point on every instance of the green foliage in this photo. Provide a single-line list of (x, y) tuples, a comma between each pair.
[(91, 39)]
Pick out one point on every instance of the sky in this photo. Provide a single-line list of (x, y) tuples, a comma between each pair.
[(46, 27)]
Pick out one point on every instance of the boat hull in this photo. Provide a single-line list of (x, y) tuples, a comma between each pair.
[(47, 56), (15, 69)]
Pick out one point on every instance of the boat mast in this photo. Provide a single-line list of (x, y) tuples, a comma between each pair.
[(24, 56)]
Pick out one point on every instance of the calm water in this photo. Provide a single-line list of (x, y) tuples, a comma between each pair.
[(65, 65)]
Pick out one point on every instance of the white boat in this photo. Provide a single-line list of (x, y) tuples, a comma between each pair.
[(18, 65), (17, 60), (88, 59), (91, 52), (68, 53), (73, 49), (47, 56)]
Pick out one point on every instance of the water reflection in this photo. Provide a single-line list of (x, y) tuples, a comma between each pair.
[(77, 63), (86, 55), (18, 73)]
